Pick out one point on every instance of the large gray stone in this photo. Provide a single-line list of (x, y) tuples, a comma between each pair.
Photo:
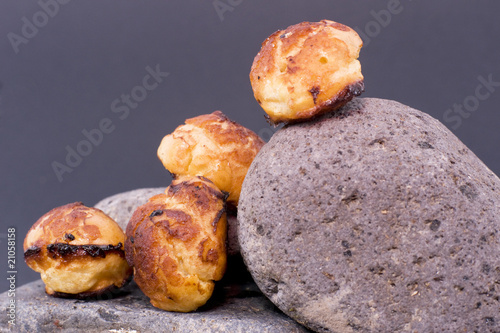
[(234, 307), (374, 219), (121, 206)]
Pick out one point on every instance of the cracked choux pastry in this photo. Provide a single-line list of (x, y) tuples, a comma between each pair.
[(306, 70), (176, 243), (212, 146), (78, 251)]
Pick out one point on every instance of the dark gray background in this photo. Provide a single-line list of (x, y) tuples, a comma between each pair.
[(64, 79)]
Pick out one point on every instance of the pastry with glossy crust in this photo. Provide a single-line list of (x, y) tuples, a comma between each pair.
[(306, 70), (176, 243), (78, 251), (212, 146)]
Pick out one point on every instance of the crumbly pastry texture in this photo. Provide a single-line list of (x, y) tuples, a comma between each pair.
[(212, 146), (78, 251), (176, 243), (307, 69)]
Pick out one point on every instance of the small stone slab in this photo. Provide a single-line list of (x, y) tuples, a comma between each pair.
[(233, 308)]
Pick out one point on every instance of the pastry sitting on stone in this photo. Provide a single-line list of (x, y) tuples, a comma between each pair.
[(78, 251), (307, 69), (176, 243), (212, 146)]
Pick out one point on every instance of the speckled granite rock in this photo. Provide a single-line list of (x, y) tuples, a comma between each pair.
[(376, 219), (233, 308), (121, 206)]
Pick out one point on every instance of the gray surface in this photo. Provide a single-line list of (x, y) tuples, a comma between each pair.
[(234, 307), (375, 220), (121, 206), (65, 78)]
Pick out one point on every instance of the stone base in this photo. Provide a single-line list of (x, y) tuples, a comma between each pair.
[(234, 307)]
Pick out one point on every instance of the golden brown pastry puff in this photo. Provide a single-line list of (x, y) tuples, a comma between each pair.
[(212, 146), (307, 69), (79, 252), (176, 243)]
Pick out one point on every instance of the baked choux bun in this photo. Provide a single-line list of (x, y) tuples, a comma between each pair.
[(212, 146), (79, 252), (306, 70), (176, 243)]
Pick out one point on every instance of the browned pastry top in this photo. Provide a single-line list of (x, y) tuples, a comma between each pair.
[(176, 243), (307, 69), (212, 146)]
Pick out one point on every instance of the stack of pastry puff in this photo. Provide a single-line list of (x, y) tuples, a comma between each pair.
[(181, 235), (176, 242)]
